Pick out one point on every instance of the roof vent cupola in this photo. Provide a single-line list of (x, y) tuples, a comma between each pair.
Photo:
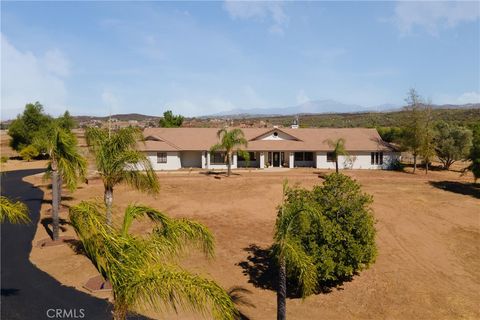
[(295, 123)]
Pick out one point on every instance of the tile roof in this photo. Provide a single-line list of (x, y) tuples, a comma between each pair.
[(308, 139)]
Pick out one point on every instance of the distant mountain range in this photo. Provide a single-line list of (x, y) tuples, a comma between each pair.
[(323, 106)]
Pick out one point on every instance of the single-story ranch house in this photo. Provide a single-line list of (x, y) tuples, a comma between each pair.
[(176, 148)]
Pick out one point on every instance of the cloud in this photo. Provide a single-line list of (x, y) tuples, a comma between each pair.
[(111, 101), (199, 106), (252, 97), (271, 11), (27, 77), (302, 97), (325, 55), (434, 16), (469, 97)]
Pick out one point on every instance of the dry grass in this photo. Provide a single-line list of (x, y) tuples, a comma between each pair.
[(428, 237)]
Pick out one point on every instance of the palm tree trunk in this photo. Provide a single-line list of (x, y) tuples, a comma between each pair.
[(282, 291), (426, 167), (229, 164), (414, 163), (119, 312), (60, 182), (336, 164), (55, 201), (108, 198)]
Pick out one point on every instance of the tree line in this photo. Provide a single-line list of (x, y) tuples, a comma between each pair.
[(426, 137)]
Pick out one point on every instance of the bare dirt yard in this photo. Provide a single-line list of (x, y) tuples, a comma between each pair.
[(428, 266)]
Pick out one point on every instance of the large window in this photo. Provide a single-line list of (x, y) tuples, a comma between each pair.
[(376, 158), (161, 157), (299, 156), (252, 157), (303, 156), (330, 157), (217, 158)]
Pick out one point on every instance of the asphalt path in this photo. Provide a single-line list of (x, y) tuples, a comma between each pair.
[(26, 291)]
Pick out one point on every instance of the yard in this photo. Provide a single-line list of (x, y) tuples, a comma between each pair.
[(428, 237)]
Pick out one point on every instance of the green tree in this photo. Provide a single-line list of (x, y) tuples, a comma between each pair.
[(143, 270), (118, 161), (390, 134), (13, 212), (413, 124), (452, 143), (427, 145), (66, 165), (294, 215), (338, 147), (230, 142), (171, 121), (28, 153), (66, 121), (27, 125), (342, 241), (474, 156)]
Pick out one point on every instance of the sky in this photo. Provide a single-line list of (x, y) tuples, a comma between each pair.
[(199, 58)]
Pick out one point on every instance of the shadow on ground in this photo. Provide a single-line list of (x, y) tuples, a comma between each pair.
[(47, 222), (468, 189), (9, 292), (262, 270)]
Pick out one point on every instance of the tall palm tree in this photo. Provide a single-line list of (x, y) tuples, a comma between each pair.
[(142, 269), (230, 142), (66, 165), (292, 214), (338, 147), (13, 212), (118, 162)]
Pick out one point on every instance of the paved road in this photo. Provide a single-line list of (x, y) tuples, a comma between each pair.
[(27, 292)]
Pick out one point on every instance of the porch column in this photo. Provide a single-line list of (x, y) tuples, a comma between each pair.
[(291, 160), (262, 160), (318, 160), (204, 160), (235, 161), (207, 165)]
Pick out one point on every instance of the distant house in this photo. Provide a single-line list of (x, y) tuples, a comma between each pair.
[(176, 148)]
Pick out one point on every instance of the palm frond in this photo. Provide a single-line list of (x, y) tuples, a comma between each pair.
[(139, 268), (168, 287), (14, 212), (217, 147), (299, 263), (184, 233)]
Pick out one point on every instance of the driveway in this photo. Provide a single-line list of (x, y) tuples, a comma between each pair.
[(26, 291)]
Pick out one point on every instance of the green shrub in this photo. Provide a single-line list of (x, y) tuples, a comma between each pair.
[(28, 153), (4, 159), (342, 240)]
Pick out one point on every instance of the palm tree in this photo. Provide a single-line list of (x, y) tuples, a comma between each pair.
[(13, 212), (230, 141), (118, 162), (288, 250), (66, 165), (338, 147), (142, 269)]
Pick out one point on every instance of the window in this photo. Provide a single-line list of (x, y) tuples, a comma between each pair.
[(303, 156), (161, 157), (252, 157), (218, 158), (330, 157), (298, 156), (275, 134), (376, 158)]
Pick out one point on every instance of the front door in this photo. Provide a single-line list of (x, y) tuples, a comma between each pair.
[(276, 159)]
